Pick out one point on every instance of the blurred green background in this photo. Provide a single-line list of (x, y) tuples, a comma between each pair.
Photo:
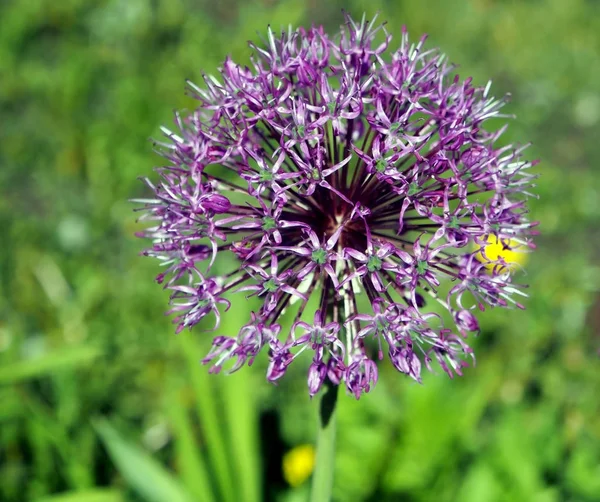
[(101, 402)]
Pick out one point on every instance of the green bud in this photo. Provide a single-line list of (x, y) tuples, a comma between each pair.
[(269, 223), (374, 263), (319, 256), (271, 286)]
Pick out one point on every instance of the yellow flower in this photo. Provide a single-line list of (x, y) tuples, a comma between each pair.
[(298, 464), (509, 250)]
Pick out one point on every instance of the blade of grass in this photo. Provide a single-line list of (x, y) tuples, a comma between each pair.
[(12, 406), (190, 460), (142, 472), (87, 496), (211, 423), (47, 428), (66, 358), (42, 469), (242, 422)]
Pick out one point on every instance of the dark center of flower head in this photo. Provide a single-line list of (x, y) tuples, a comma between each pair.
[(331, 173)]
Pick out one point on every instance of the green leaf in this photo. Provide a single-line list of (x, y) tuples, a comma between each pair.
[(190, 460), (480, 483), (58, 360), (241, 413), (144, 474), (210, 421), (12, 404), (86, 496)]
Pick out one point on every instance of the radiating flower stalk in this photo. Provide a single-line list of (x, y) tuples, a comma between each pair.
[(351, 183)]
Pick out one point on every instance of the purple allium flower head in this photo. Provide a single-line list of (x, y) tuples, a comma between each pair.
[(336, 170)]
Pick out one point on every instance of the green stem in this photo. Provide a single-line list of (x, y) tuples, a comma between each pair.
[(322, 483)]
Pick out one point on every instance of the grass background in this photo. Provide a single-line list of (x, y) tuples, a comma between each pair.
[(100, 402)]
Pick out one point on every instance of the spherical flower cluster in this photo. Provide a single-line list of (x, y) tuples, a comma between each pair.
[(337, 170)]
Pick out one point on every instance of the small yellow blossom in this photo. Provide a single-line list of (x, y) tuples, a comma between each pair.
[(298, 464), (509, 250)]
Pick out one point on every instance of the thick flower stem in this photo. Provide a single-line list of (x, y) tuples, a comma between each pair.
[(322, 483)]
